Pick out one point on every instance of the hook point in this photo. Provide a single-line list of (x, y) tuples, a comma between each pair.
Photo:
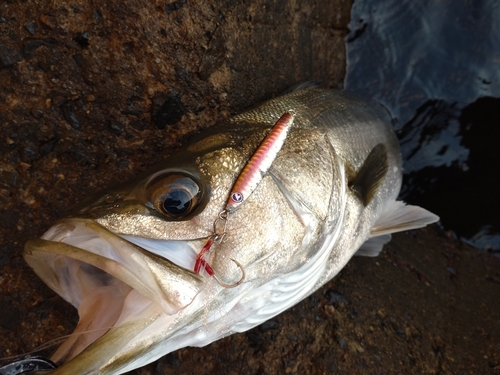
[(243, 275)]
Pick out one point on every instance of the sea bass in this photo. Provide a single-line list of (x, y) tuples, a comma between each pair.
[(126, 258)]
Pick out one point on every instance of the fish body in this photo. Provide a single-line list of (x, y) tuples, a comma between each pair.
[(125, 258)]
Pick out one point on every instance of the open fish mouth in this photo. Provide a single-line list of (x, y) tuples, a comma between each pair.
[(119, 288)]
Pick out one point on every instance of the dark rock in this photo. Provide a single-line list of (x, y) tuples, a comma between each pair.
[(29, 153), (48, 146), (30, 27), (123, 164), (253, 338), (8, 220), (176, 5), (97, 16), (8, 56), (128, 47), (79, 60), (8, 317), (170, 112), (30, 45), (43, 65), (342, 343), (8, 178), (70, 117), (48, 20), (36, 113), (82, 39), (138, 124), (335, 297), (173, 359), (214, 57), (451, 270), (115, 127), (268, 325), (133, 111), (84, 159)]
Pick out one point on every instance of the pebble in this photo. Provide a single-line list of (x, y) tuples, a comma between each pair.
[(82, 39), (36, 113), (47, 21), (30, 27), (335, 297), (8, 56), (70, 117), (268, 325), (170, 112)]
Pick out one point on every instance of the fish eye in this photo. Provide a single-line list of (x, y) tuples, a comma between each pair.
[(174, 195)]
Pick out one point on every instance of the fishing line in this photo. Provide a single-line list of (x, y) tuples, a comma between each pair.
[(52, 343)]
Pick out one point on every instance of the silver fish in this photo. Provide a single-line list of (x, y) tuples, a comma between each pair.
[(125, 258)]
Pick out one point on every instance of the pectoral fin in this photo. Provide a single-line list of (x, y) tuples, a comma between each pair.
[(397, 217), (371, 174), (373, 246)]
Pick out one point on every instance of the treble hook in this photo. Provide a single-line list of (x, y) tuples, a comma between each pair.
[(243, 275), (247, 181)]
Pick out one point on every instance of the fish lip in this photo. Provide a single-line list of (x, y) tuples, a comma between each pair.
[(93, 244), (74, 270)]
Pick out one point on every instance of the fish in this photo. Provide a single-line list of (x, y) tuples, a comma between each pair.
[(125, 258)]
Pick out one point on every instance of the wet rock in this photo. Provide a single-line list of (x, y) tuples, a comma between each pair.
[(115, 127), (268, 325), (82, 39), (8, 220), (254, 338), (97, 17), (31, 45), (70, 117), (30, 153), (9, 178), (30, 27), (8, 316), (335, 297), (138, 124), (36, 113), (214, 57), (173, 359), (84, 159), (170, 112), (123, 164), (48, 146), (132, 111), (48, 20), (176, 5), (8, 56)]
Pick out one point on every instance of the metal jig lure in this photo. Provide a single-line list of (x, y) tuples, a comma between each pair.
[(247, 181)]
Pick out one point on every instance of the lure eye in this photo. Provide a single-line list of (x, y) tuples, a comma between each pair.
[(175, 195)]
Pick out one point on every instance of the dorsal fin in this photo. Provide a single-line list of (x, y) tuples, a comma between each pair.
[(371, 174)]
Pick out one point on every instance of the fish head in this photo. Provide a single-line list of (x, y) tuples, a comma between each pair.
[(125, 257)]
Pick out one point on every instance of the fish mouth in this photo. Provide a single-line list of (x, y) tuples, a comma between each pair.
[(118, 287)]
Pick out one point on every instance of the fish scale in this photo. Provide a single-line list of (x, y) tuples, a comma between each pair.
[(329, 194)]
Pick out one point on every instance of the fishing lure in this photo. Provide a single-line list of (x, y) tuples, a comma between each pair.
[(247, 181)]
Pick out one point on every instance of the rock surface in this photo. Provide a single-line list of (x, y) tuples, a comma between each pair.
[(93, 93)]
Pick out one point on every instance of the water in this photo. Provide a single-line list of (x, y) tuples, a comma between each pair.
[(435, 64)]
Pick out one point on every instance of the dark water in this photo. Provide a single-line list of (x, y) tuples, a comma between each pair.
[(436, 66)]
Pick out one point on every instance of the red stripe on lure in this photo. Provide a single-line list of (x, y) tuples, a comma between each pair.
[(245, 184), (260, 162)]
